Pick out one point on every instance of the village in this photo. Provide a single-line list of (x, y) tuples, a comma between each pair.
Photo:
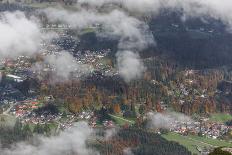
[(204, 128), (27, 112)]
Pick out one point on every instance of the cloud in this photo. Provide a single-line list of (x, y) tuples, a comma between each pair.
[(128, 151), (217, 9), (72, 141), (139, 6), (165, 120), (63, 66), (130, 65), (109, 133), (132, 33), (19, 35), (122, 19)]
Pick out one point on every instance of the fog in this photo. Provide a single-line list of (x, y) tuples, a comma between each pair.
[(62, 66), (132, 33), (130, 66), (165, 120), (19, 35), (71, 141), (123, 21)]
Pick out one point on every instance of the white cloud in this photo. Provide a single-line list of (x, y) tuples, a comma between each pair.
[(18, 35), (217, 9), (109, 133), (165, 120), (127, 151), (130, 65), (69, 141), (63, 66), (124, 21), (133, 34)]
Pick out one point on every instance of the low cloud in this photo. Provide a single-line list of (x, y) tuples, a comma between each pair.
[(123, 19), (109, 133), (132, 33), (127, 151), (72, 141), (130, 66), (165, 120), (217, 9), (20, 35), (62, 67)]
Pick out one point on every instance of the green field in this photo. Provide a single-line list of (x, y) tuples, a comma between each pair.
[(121, 121), (220, 117), (214, 142), (192, 142), (53, 126), (87, 30), (7, 120)]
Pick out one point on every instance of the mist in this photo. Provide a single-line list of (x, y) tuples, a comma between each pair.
[(123, 21), (130, 66), (165, 120), (71, 141), (62, 66), (20, 35), (128, 151), (217, 9), (132, 33)]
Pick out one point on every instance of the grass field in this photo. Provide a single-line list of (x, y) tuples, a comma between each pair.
[(7, 120), (191, 142), (52, 126), (220, 117), (214, 142), (87, 30), (121, 121)]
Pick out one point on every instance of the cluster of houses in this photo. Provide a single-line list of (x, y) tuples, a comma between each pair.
[(108, 124), (208, 129), (22, 68), (24, 111), (20, 109), (68, 123)]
